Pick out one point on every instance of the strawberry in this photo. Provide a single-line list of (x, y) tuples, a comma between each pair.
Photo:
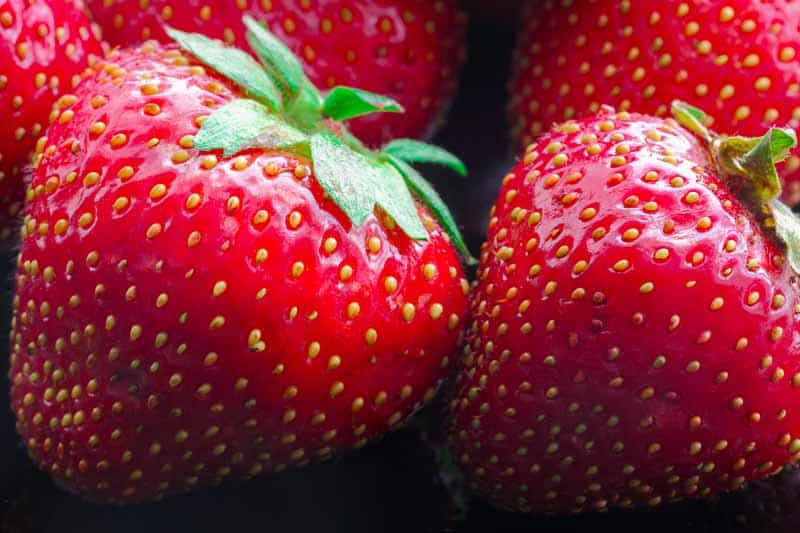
[(410, 50), (44, 47), (734, 59), (635, 319), (217, 280)]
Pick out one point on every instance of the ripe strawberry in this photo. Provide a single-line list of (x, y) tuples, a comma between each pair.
[(734, 59), (44, 46), (206, 288), (410, 50), (634, 336)]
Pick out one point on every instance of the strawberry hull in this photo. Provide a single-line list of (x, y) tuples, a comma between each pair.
[(182, 318), (634, 331)]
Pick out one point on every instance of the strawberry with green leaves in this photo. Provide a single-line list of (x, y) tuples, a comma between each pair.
[(45, 45), (410, 50), (217, 280), (736, 59), (634, 336)]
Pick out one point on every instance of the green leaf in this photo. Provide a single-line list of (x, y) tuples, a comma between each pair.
[(787, 226), (691, 118), (428, 195), (754, 158), (232, 63), (243, 124), (280, 62), (343, 103), (781, 141), (356, 184), (412, 151)]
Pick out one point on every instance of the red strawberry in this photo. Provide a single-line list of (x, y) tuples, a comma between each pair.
[(197, 303), (44, 46), (735, 59), (410, 50), (635, 329)]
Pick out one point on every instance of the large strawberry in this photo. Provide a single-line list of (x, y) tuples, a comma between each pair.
[(635, 333), (410, 50), (734, 59), (216, 279), (44, 47)]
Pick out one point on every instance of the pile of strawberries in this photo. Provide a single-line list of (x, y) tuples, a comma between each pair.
[(229, 264)]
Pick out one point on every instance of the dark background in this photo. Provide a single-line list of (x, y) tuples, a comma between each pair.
[(393, 485)]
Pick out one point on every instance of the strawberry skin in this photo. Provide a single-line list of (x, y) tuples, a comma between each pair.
[(736, 60), (182, 318), (634, 336), (44, 47), (410, 50)]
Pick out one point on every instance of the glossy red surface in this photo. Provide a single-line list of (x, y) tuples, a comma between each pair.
[(410, 50), (44, 46), (181, 319), (736, 60), (635, 334)]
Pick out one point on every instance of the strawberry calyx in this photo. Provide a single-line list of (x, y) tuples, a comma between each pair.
[(748, 165), (282, 109)]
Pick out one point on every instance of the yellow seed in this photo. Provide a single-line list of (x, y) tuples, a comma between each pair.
[(61, 226), (192, 201), (261, 217), (408, 311), (119, 139), (374, 245), (704, 223), (219, 288), (330, 245), (194, 239), (180, 156), (313, 349), (154, 231), (85, 220), (120, 203), (429, 271), (390, 284), (125, 172), (158, 191), (630, 234), (90, 179)]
